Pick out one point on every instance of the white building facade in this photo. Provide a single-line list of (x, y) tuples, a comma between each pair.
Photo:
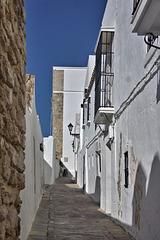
[(68, 84), (119, 156)]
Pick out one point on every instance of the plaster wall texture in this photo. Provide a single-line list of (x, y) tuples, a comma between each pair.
[(31, 195), (49, 160), (109, 18), (90, 68), (12, 115), (136, 130)]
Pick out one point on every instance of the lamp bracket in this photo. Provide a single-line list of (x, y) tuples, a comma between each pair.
[(153, 37)]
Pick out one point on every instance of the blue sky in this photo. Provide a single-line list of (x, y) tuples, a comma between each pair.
[(58, 33)]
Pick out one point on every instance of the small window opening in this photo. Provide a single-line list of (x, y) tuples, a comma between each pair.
[(126, 169), (99, 160), (89, 109), (83, 111)]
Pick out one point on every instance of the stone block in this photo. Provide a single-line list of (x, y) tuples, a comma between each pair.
[(13, 219), (3, 212), (2, 232)]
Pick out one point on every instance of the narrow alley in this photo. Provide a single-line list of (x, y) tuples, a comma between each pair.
[(66, 213)]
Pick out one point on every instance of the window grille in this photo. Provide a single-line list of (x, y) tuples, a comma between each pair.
[(104, 71), (135, 5)]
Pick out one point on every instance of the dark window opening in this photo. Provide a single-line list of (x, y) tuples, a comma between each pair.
[(100, 164), (89, 109), (83, 111), (126, 169), (135, 5), (99, 160)]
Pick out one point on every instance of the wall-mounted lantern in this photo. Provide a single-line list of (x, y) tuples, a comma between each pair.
[(41, 147), (70, 127)]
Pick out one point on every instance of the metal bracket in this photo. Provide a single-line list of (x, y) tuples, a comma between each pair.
[(151, 38)]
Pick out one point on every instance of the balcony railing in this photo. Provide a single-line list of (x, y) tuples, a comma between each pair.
[(104, 77), (135, 5), (104, 83)]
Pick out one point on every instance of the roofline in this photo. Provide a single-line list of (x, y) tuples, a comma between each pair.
[(103, 29), (68, 68)]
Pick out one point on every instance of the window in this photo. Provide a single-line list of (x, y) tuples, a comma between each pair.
[(83, 111), (126, 169), (98, 157), (104, 71)]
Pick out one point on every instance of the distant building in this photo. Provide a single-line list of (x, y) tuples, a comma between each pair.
[(67, 95)]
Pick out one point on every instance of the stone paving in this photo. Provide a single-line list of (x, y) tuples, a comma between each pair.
[(66, 213)]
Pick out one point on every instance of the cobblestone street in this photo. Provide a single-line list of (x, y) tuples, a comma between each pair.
[(66, 213)]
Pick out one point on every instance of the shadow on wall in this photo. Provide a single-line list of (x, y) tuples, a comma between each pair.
[(96, 194), (145, 204), (146, 207), (48, 171)]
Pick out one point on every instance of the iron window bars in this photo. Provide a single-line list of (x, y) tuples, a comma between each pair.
[(135, 5), (104, 71)]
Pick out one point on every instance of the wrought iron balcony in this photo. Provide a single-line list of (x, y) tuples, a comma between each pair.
[(104, 79), (104, 108)]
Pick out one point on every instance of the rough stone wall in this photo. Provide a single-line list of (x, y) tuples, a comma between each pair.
[(58, 86), (30, 82), (12, 111)]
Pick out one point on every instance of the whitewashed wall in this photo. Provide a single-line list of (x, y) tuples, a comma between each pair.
[(49, 160), (136, 131), (136, 128), (31, 195)]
